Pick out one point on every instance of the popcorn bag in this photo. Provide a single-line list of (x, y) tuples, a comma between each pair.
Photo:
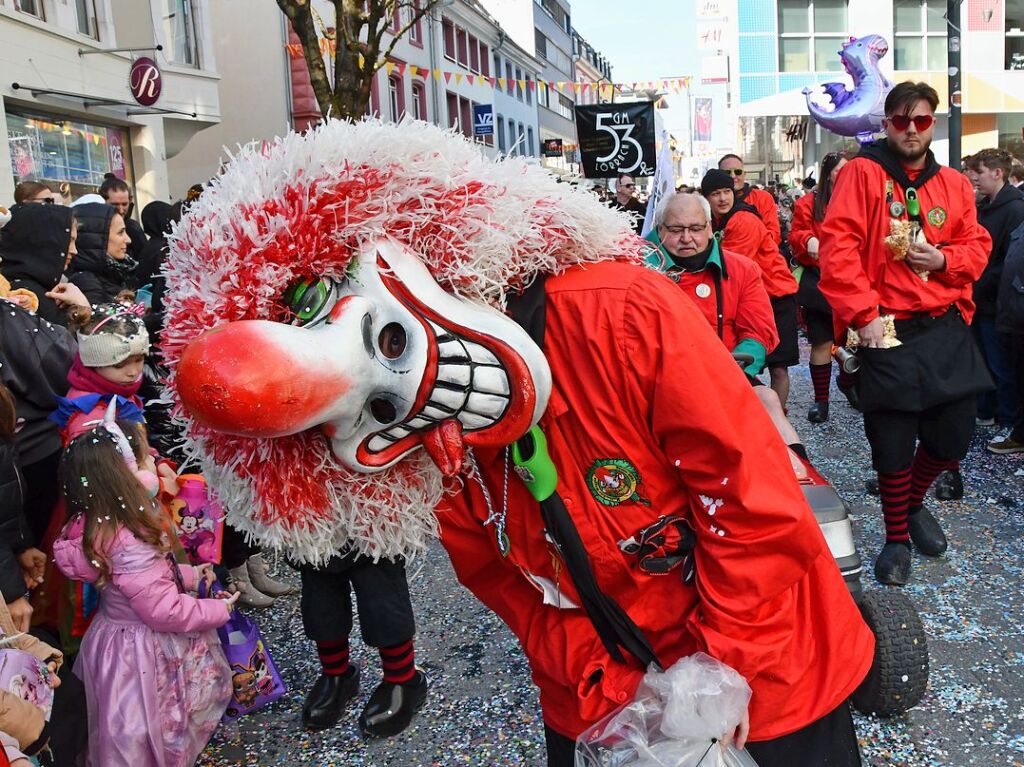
[(675, 720), (24, 675)]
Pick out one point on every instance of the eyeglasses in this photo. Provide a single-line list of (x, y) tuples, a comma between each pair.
[(921, 122), (628, 186), (736, 171), (696, 229)]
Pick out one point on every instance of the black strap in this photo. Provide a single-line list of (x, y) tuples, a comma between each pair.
[(613, 625)]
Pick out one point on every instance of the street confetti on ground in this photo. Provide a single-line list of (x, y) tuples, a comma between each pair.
[(482, 710)]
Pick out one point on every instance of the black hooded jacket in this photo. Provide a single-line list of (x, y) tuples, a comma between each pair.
[(157, 218), (98, 275), (1000, 216), (34, 247), (14, 533)]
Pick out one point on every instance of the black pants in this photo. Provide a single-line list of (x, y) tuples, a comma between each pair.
[(945, 431), (40, 494), (828, 742), (382, 598), (787, 353), (1016, 353), (236, 550)]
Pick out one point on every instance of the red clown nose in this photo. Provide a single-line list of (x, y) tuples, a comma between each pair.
[(258, 379)]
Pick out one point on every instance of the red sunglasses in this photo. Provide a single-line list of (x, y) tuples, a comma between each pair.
[(921, 122)]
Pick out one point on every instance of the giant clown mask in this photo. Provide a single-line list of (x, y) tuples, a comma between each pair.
[(335, 326)]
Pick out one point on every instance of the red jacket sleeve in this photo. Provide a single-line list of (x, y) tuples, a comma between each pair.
[(754, 315), (845, 240), (769, 212), (756, 536), (967, 252), (803, 229)]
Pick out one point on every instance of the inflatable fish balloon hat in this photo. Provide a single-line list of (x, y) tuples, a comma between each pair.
[(857, 112), (336, 330)]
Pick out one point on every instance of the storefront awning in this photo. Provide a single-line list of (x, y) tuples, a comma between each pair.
[(101, 101)]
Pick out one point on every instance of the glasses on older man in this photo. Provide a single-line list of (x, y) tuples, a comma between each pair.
[(695, 229), (736, 171)]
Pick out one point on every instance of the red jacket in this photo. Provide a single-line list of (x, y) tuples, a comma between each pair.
[(804, 227), (650, 416), (766, 208), (858, 273), (746, 308), (747, 235)]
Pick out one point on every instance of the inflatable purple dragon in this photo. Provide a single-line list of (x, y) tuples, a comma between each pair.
[(856, 112)]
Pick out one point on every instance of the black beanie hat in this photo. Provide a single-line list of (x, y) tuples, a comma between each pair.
[(714, 180)]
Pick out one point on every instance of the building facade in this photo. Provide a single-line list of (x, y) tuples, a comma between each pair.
[(67, 113), (782, 46)]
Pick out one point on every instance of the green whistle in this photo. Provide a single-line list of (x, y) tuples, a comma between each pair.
[(533, 464), (913, 204)]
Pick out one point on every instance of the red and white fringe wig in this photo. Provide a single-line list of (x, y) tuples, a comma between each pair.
[(301, 207)]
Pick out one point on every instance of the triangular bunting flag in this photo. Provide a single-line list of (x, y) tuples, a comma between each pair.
[(458, 78), (522, 84), (576, 86), (437, 75), (390, 67), (469, 79), (531, 84), (401, 69), (448, 77), (413, 70), (501, 83), (492, 81), (587, 86)]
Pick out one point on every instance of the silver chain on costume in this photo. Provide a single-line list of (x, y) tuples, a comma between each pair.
[(493, 516)]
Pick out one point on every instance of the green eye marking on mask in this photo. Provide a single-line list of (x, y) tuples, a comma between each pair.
[(306, 298)]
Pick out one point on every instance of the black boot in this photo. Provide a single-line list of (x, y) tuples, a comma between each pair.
[(850, 392), (391, 706), (949, 486), (871, 486), (926, 532), (893, 564), (818, 412), (328, 697)]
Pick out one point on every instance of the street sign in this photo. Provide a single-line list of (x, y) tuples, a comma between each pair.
[(483, 120)]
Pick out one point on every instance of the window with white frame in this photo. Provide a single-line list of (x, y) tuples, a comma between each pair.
[(31, 7), (919, 28), (811, 33), (396, 97), (179, 27), (419, 101), (530, 150), (500, 130), (86, 12), (1014, 34)]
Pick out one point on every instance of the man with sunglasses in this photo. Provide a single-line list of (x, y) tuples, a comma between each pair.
[(625, 199), (919, 389), (759, 199)]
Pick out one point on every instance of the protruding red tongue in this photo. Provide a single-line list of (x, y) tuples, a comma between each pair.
[(444, 445)]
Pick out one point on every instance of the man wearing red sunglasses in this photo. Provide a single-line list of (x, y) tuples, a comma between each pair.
[(901, 242)]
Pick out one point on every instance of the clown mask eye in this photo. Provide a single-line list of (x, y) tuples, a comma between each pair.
[(392, 341), (311, 301)]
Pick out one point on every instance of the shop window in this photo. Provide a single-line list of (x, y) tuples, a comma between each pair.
[(66, 154), (179, 27), (919, 35), (31, 7), (86, 12), (1010, 127), (1015, 34), (811, 34), (419, 101)]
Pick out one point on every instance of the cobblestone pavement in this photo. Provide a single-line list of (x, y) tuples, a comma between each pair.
[(483, 710)]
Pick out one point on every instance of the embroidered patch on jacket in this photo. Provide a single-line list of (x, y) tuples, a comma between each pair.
[(613, 481), (937, 216)]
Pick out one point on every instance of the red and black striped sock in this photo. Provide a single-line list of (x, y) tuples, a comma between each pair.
[(894, 490), (924, 470), (844, 379), (399, 662), (334, 657), (820, 375)]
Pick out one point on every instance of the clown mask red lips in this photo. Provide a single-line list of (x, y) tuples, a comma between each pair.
[(383, 360)]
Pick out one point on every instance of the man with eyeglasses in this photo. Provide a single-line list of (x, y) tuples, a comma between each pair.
[(901, 241), (625, 199), (725, 286), (759, 199)]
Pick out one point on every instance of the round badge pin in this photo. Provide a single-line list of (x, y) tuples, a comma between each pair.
[(703, 291), (896, 209)]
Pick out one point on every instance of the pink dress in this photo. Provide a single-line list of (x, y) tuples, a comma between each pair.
[(155, 676)]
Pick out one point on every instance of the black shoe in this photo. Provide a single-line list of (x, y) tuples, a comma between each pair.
[(871, 486), (328, 697), (893, 564), (850, 392), (949, 486), (818, 412), (391, 706), (926, 533)]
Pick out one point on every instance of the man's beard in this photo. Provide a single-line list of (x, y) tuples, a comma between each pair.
[(908, 154)]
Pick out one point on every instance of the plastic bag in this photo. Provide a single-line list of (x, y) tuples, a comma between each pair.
[(675, 720)]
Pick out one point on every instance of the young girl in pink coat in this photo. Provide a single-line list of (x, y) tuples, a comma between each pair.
[(156, 678)]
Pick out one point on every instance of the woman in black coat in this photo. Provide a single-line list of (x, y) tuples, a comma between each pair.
[(36, 246), (102, 268)]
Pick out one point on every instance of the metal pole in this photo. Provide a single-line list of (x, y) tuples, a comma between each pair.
[(955, 117)]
